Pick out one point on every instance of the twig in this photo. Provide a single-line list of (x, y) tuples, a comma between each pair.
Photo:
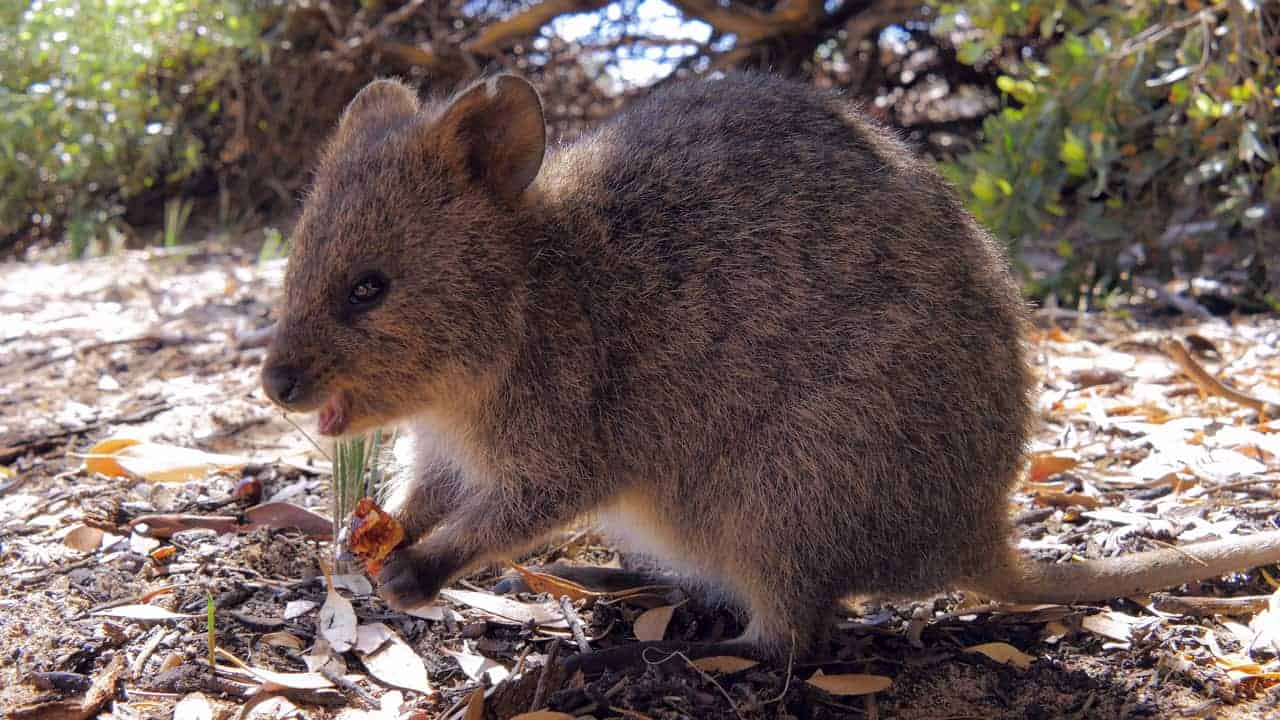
[(40, 442), (1186, 306), (159, 341), (1207, 606), (575, 624), (1178, 550), (1210, 385), (345, 685), (541, 691), (706, 676)]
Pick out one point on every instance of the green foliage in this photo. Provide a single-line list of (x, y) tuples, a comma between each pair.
[(357, 472), (1142, 134), (91, 98), (176, 213), (274, 245)]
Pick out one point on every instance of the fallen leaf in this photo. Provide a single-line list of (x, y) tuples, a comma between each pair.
[(284, 515), (540, 582), (278, 515), (193, 707), (1003, 653), (475, 705), (164, 554), (546, 614), (283, 639), (651, 626), (391, 660), (145, 612), (357, 585), (1052, 497), (542, 715), (125, 457), (850, 684), (273, 708), (1045, 465), (290, 680), (298, 608), (337, 622), (83, 538), (1090, 377), (478, 666), (99, 458), (1110, 624), (431, 611), (724, 664)]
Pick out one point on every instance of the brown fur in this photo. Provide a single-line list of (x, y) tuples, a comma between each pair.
[(742, 324)]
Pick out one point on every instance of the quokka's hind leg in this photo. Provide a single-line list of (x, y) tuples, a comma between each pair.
[(777, 632), (592, 577)]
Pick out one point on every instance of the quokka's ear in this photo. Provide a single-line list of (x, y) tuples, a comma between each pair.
[(378, 105), (495, 134)]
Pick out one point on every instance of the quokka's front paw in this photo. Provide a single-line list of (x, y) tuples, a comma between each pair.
[(412, 577)]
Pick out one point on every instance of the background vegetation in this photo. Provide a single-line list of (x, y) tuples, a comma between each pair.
[(1104, 140)]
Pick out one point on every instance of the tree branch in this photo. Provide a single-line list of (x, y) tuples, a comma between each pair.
[(751, 25), (497, 36)]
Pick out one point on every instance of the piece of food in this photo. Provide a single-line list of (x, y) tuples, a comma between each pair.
[(374, 534)]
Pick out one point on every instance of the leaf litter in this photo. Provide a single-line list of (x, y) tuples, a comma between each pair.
[(1138, 449)]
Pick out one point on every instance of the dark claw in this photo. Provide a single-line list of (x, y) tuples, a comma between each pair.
[(411, 578)]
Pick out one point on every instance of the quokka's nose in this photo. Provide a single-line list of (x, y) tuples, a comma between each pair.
[(283, 383)]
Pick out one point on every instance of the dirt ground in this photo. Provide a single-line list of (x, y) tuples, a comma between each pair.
[(165, 347)]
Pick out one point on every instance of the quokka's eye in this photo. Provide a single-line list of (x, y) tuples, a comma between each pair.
[(367, 291)]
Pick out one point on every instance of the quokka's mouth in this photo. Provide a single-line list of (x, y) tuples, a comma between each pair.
[(334, 414)]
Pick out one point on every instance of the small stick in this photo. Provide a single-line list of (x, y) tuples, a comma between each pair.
[(541, 691), (705, 676), (1206, 606), (1210, 384), (575, 624), (349, 687)]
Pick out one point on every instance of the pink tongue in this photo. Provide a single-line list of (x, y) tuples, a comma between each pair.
[(332, 416)]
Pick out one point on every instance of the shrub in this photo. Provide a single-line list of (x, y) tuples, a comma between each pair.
[(1141, 134), (91, 94)]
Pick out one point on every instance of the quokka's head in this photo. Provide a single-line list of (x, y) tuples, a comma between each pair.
[(403, 264)]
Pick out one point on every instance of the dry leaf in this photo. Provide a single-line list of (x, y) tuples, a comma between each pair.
[(292, 681), (124, 457), (83, 538), (724, 664), (1110, 624), (390, 659), (431, 611), (357, 585), (145, 612), (546, 614), (1003, 653), (540, 582), (850, 684), (193, 707), (1047, 495), (1045, 465), (651, 626), (283, 639), (337, 621), (475, 705), (374, 534), (477, 666), (298, 608), (542, 715)]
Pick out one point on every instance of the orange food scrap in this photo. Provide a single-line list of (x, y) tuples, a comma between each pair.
[(374, 534)]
